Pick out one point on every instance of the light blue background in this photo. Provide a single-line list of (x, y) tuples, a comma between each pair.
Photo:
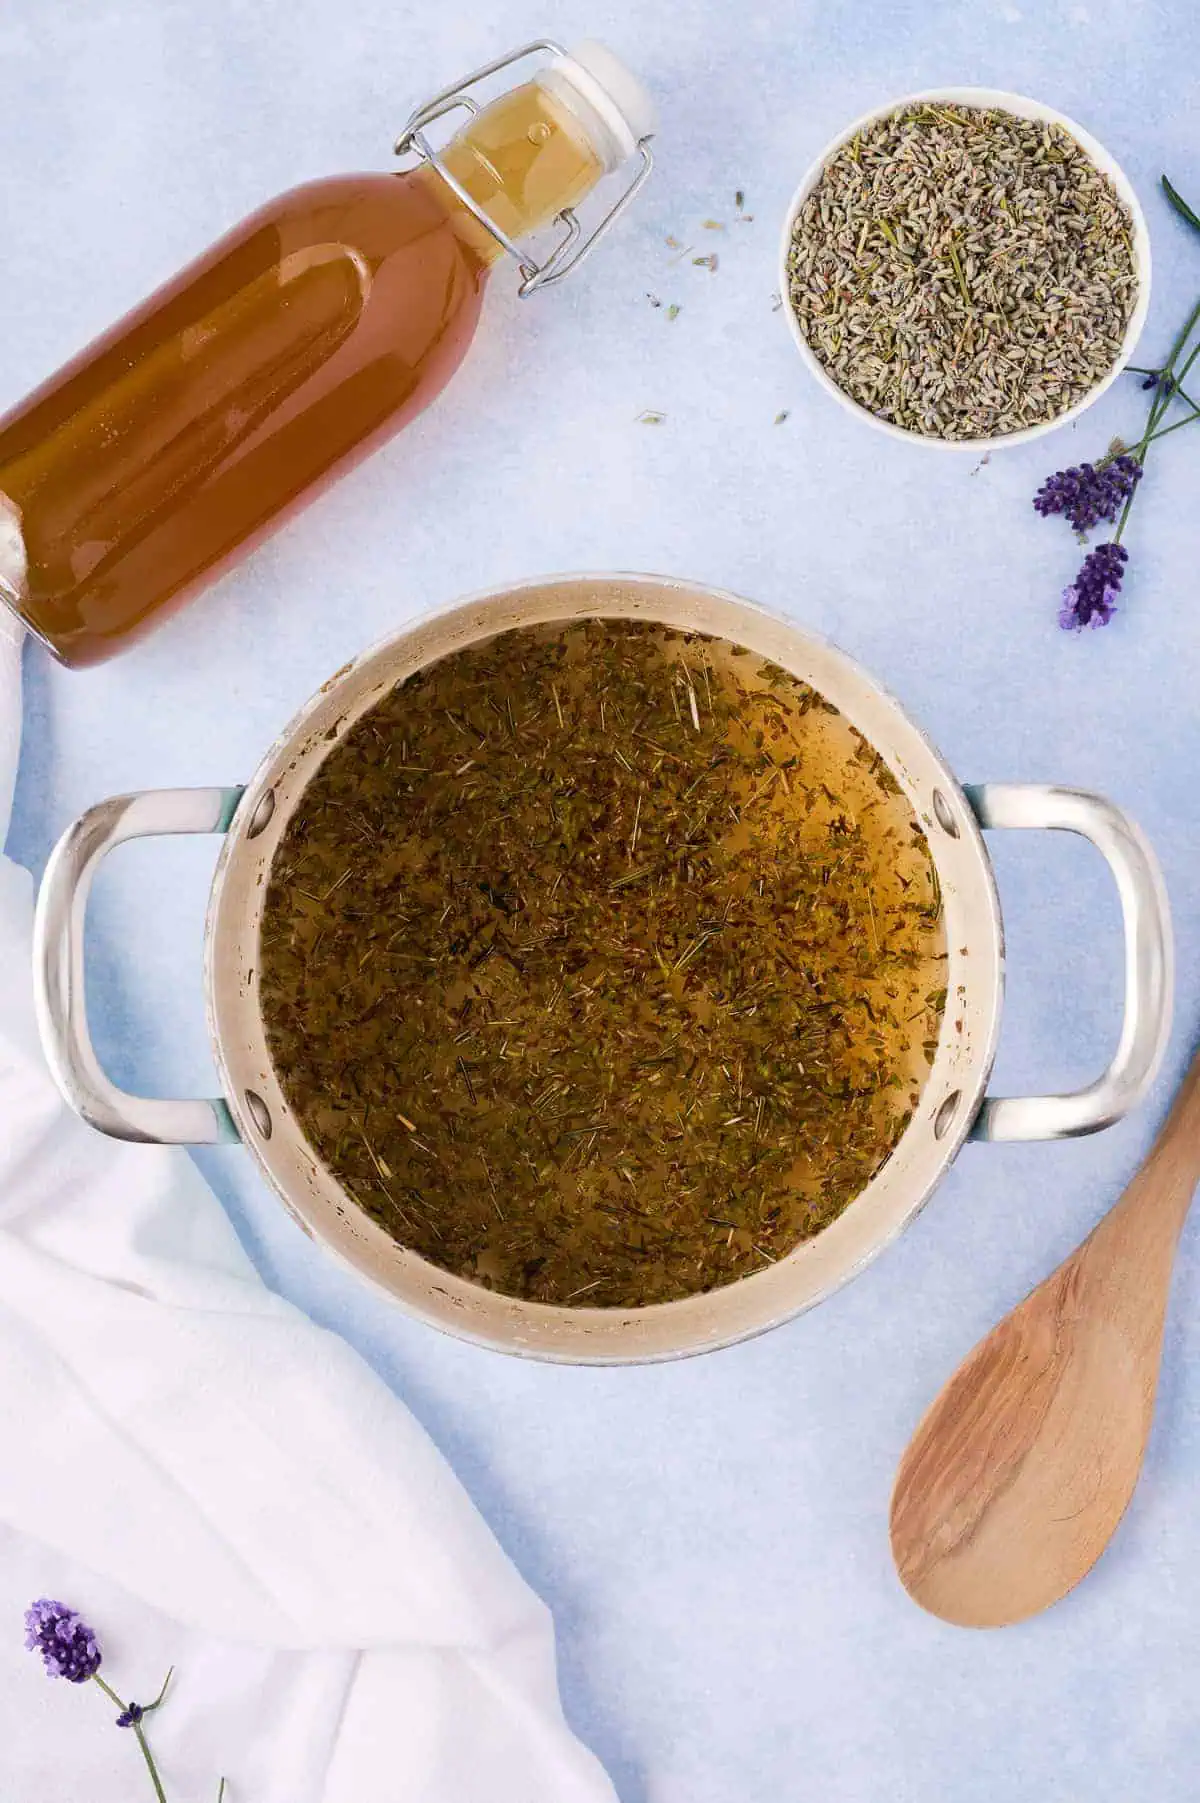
[(712, 1535)]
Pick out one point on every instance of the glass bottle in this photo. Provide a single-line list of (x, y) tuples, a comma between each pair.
[(301, 341)]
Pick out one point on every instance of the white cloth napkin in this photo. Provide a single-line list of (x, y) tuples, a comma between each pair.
[(215, 1482)]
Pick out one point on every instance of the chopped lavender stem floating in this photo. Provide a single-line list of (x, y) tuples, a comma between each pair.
[(1091, 599)]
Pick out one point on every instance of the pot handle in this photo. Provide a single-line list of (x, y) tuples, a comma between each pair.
[(1149, 961), (58, 969)]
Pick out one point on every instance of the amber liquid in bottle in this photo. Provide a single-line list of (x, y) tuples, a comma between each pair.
[(296, 345)]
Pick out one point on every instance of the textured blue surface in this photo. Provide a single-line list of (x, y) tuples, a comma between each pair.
[(712, 1535)]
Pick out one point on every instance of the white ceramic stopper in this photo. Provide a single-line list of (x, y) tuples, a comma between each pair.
[(599, 89)]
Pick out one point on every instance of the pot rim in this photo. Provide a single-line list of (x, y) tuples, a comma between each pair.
[(968, 1095)]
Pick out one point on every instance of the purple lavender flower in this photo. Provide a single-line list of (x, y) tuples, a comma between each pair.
[(68, 1646), (70, 1650), (1086, 495), (1158, 378), (1092, 598)]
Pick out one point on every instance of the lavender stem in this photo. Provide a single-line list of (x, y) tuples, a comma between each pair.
[(112, 1696)]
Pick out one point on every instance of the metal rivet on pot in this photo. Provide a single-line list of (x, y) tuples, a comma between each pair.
[(258, 1111), (945, 1114), (262, 814), (945, 819)]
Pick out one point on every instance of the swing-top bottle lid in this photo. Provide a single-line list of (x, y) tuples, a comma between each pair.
[(614, 104), (614, 110)]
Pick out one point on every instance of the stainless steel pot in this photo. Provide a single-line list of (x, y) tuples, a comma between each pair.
[(953, 1104)]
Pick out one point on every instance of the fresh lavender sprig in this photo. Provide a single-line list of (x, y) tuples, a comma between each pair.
[(69, 1649), (1089, 493)]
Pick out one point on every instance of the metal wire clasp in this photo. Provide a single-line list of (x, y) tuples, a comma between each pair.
[(573, 246)]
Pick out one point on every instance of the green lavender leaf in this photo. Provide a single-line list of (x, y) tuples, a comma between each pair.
[(162, 1693), (1180, 204)]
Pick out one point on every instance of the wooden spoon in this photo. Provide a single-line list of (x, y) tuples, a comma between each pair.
[(1017, 1476)]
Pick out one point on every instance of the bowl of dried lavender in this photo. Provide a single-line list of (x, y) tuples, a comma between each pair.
[(965, 268)]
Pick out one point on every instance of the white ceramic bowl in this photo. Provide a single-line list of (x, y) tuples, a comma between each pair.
[(1024, 109)]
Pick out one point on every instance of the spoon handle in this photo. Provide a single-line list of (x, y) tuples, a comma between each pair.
[(1161, 1192), (1180, 1132), (1121, 1274)]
